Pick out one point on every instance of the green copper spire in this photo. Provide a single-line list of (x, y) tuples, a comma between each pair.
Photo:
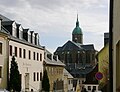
[(77, 29)]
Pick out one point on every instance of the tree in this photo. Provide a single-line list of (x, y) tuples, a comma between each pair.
[(45, 82), (15, 79)]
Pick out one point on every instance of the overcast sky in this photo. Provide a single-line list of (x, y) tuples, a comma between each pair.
[(55, 20)]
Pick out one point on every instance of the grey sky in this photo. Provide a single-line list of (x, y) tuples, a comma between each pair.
[(54, 20)]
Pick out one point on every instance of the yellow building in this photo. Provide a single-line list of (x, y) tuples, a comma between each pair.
[(54, 69), (103, 64), (3, 57)]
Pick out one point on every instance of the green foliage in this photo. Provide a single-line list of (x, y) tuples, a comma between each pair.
[(45, 82), (15, 79)]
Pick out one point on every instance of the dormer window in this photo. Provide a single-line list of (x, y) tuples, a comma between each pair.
[(29, 37), (25, 34), (20, 32), (36, 39), (32, 37), (14, 29)]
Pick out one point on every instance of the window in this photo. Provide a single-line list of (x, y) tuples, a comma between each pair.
[(69, 81), (34, 76), (40, 57), (16, 51), (0, 72), (24, 53), (0, 48), (10, 50), (29, 54), (20, 52), (33, 55), (89, 87), (37, 56), (37, 76), (94, 87), (40, 76)]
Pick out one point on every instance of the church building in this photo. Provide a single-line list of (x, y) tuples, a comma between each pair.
[(78, 58)]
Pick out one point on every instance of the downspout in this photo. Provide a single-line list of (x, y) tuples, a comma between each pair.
[(7, 47), (110, 46)]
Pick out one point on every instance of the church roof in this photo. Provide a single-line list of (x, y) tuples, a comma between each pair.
[(70, 46), (77, 29)]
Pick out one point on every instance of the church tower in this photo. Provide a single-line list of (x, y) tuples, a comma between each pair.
[(77, 35)]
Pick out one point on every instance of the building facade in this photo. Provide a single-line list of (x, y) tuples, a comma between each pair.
[(4, 44), (116, 45), (103, 65), (68, 82), (55, 73), (78, 58), (29, 54)]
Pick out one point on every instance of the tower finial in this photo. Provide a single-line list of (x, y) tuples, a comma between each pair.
[(77, 16), (77, 22)]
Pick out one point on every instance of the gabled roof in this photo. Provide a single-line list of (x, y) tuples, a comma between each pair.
[(52, 61), (4, 23), (83, 70), (88, 47), (4, 30), (4, 18), (69, 46), (67, 73)]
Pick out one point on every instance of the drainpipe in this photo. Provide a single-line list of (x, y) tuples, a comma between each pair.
[(110, 46)]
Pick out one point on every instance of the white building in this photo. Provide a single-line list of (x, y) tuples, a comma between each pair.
[(29, 55)]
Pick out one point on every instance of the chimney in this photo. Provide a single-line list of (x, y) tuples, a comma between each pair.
[(106, 38), (0, 23)]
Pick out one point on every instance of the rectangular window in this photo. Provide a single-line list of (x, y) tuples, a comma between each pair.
[(16, 51), (34, 76), (69, 81), (94, 87), (0, 48), (33, 55), (24, 53), (20, 52), (89, 87), (40, 76), (37, 56), (40, 57), (37, 76), (0, 72), (29, 54), (10, 50)]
